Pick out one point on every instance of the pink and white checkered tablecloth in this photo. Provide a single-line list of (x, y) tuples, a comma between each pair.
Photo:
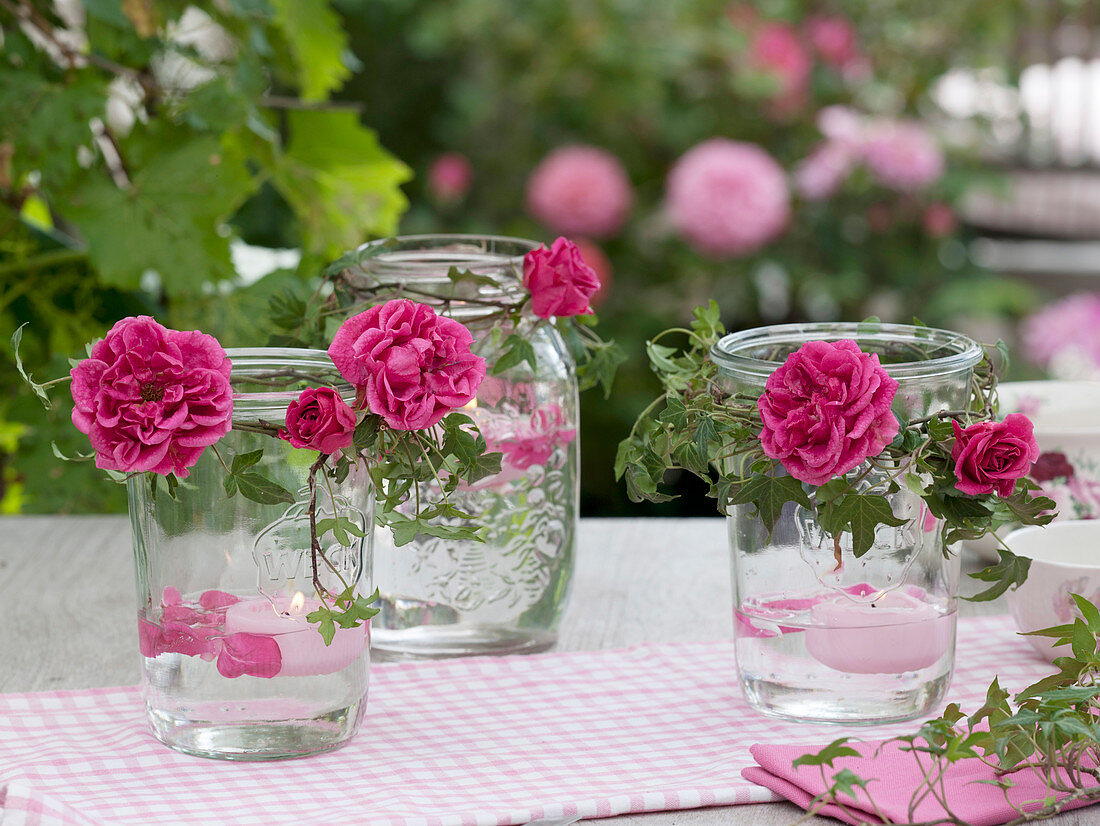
[(477, 741)]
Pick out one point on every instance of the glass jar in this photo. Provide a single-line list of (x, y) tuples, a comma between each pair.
[(230, 666), (822, 636), (440, 597)]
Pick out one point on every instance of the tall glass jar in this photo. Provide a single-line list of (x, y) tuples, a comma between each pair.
[(230, 666), (444, 598), (822, 636)]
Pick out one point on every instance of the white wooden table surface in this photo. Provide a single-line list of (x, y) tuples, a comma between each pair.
[(63, 580)]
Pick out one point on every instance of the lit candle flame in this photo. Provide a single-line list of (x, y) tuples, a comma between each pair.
[(297, 602)]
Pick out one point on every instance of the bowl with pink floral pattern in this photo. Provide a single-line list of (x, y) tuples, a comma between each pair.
[(1065, 560), (1066, 415)]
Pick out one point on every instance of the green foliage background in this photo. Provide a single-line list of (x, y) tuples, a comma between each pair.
[(268, 141)]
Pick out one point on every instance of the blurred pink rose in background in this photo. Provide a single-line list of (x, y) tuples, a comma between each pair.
[(822, 173), (939, 220), (777, 50), (1071, 325), (903, 155), (580, 190), (450, 177), (728, 198), (834, 39), (842, 124)]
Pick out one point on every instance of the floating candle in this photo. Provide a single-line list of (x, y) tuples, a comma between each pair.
[(892, 634), (304, 652)]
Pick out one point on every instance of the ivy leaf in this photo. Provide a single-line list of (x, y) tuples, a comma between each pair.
[(258, 488), (1009, 570), (769, 494), (845, 781), (325, 617), (518, 350), (342, 187), (675, 413), (661, 357), (827, 755), (458, 276), (862, 513), (168, 221), (600, 368), (39, 390), (318, 42)]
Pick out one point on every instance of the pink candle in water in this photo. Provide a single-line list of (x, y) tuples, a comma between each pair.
[(303, 650), (894, 633)]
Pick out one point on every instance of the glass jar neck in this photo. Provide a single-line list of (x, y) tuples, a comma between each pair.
[(907, 352), (266, 379), (419, 267)]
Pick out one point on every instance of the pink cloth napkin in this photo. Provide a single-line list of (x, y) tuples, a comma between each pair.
[(492, 740), (893, 776)]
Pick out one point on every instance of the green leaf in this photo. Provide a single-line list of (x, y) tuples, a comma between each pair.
[(243, 461), (845, 782), (769, 494), (1009, 570), (343, 186), (327, 623), (518, 350), (600, 368), (661, 357), (675, 413), (168, 221), (76, 457), (317, 41), (252, 485), (827, 755), (39, 390), (862, 513), (458, 276), (1089, 612)]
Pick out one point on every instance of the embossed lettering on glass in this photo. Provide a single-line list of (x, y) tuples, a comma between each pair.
[(504, 595)]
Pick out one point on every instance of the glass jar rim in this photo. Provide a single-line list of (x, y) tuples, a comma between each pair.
[(271, 405), (404, 254), (962, 352)]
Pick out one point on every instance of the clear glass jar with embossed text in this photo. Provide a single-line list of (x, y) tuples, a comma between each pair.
[(821, 635), (440, 597), (231, 668)]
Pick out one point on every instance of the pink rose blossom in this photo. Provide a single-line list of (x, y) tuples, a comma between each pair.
[(150, 398), (842, 124), (256, 655), (1069, 325), (319, 420), (449, 177), (777, 50), (834, 39), (535, 444), (410, 366), (728, 198), (939, 220), (594, 256), (826, 410), (902, 155), (580, 190), (823, 171), (991, 456), (561, 283)]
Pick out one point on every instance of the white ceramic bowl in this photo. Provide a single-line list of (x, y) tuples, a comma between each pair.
[(1066, 415), (1065, 559)]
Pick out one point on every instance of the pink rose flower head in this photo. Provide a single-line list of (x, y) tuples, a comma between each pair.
[(561, 283), (826, 410), (842, 124), (319, 420), (990, 456), (580, 190), (450, 177), (411, 366), (595, 257), (903, 155), (150, 398), (823, 171), (777, 50), (1069, 325), (939, 220), (728, 198), (834, 39)]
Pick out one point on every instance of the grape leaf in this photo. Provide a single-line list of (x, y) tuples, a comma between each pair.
[(168, 222), (318, 43), (339, 180)]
